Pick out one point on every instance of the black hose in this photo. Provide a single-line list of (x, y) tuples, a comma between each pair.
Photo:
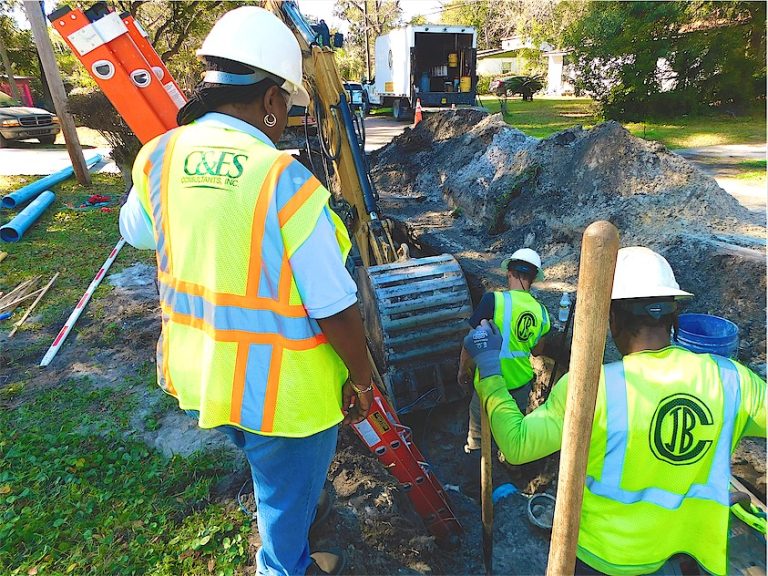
[(321, 133), (306, 141)]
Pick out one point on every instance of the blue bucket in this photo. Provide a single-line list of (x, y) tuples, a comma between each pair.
[(705, 334)]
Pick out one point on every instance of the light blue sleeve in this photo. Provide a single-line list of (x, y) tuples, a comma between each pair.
[(325, 286), (135, 225)]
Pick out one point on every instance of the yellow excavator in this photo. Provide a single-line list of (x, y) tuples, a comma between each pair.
[(415, 309)]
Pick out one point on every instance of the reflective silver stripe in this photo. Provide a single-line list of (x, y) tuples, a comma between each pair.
[(157, 159), (609, 485), (544, 318), (506, 331)]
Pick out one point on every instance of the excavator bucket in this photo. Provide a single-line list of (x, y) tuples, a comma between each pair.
[(415, 315)]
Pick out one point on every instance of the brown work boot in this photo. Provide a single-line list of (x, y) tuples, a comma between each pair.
[(327, 563)]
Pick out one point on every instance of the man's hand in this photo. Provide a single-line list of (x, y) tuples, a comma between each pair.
[(356, 405), (483, 345)]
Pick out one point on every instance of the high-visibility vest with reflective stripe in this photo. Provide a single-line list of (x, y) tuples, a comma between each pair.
[(659, 462), (522, 321), (237, 343)]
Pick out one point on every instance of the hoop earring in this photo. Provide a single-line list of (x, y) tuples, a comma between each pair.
[(270, 120)]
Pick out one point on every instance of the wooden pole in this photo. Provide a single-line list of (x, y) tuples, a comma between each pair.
[(599, 247), (9, 71), (29, 310), (36, 19), (486, 490)]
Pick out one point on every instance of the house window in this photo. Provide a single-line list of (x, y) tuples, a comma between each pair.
[(506, 66)]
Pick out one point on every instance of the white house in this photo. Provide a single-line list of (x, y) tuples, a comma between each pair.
[(510, 59)]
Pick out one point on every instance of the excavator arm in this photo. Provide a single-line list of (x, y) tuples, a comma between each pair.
[(415, 309), (339, 141)]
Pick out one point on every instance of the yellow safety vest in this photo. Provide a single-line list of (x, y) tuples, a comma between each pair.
[(659, 462), (522, 321), (237, 344)]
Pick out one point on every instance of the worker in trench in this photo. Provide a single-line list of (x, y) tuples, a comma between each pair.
[(525, 323), (666, 422), (262, 338)]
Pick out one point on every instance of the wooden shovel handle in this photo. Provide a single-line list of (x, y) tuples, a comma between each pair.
[(486, 489), (600, 245)]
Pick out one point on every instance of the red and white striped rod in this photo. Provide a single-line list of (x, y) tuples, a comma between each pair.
[(67, 328)]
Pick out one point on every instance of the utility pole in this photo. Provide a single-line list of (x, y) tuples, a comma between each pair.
[(367, 43), (9, 71), (34, 10)]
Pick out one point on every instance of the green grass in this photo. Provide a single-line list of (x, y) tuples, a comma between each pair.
[(752, 170), (80, 492), (72, 242), (77, 497), (545, 116)]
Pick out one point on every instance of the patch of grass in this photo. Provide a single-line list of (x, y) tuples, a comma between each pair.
[(761, 164), (545, 116), (751, 176), (76, 497), (73, 242)]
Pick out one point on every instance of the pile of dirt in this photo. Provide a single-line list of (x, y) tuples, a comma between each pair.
[(465, 182)]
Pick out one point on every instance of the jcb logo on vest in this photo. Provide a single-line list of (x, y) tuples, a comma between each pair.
[(207, 166), (526, 324), (681, 430)]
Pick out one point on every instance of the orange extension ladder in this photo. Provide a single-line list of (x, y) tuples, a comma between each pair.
[(124, 65), (391, 442)]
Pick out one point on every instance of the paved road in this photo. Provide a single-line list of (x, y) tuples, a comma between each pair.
[(26, 159), (379, 130), (721, 162)]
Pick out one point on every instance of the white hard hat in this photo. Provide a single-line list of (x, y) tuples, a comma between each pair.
[(525, 255), (642, 273), (257, 38)]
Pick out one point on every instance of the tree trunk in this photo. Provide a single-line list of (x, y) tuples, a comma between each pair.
[(15, 93)]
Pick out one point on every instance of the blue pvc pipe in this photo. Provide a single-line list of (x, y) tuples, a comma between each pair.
[(29, 191), (14, 230)]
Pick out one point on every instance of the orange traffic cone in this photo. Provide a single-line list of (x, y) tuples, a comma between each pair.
[(417, 117)]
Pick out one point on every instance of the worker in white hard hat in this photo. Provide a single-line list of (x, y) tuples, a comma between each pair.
[(666, 423), (253, 343), (524, 322)]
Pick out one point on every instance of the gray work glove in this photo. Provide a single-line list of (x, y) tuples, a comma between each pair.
[(483, 344)]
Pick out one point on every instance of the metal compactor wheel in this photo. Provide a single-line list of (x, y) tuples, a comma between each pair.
[(415, 314)]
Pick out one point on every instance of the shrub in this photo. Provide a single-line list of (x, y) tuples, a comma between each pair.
[(483, 84), (94, 110)]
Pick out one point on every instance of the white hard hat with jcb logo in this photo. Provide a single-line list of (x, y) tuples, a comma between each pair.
[(257, 39), (525, 255)]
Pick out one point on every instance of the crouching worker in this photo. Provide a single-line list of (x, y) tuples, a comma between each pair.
[(523, 322), (666, 423)]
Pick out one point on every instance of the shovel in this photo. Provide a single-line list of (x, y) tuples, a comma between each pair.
[(486, 491)]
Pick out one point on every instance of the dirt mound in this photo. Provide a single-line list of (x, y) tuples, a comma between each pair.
[(465, 182)]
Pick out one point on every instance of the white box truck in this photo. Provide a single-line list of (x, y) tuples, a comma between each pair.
[(434, 63)]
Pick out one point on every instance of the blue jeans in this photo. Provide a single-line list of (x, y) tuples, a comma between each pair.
[(288, 476)]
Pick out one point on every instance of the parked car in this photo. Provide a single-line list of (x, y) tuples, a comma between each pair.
[(526, 86), (22, 122)]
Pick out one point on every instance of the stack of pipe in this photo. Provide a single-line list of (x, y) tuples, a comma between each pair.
[(14, 230)]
